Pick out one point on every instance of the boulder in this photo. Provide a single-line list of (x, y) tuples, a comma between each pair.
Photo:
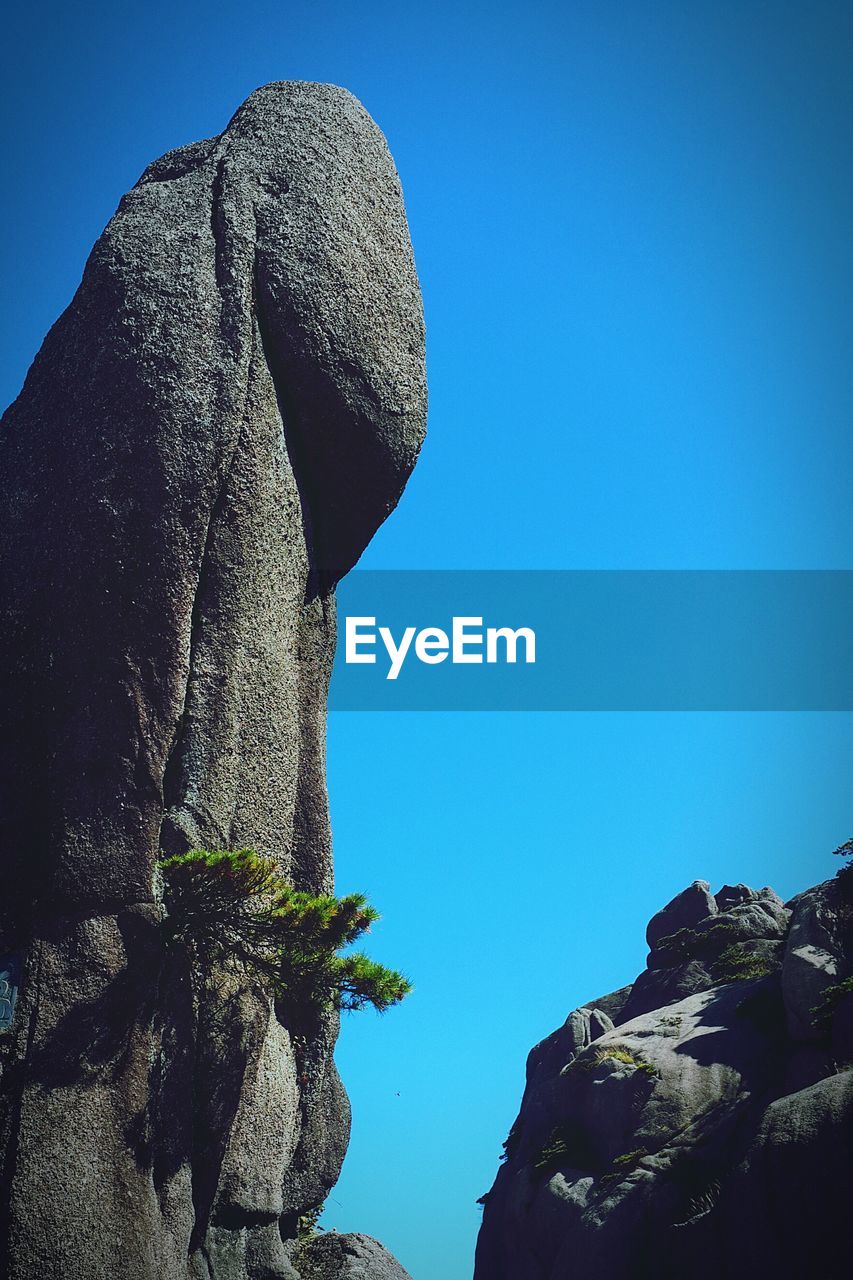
[(686, 909), (334, 1256)]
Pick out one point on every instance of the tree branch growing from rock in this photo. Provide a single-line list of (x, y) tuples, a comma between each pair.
[(234, 908)]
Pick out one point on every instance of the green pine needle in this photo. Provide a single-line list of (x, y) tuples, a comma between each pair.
[(234, 907)]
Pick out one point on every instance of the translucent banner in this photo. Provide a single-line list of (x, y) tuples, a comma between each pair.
[(594, 641)]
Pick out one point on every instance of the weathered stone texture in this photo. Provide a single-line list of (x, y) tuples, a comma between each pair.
[(207, 440), (346, 1257), (710, 1131)]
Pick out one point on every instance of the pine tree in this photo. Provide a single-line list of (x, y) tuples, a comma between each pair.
[(234, 908)]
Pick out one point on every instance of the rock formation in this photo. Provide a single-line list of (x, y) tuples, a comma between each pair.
[(345, 1257), (700, 1121), (208, 438)]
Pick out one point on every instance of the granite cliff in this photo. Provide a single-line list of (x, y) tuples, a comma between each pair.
[(207, 440), (698, 1122)]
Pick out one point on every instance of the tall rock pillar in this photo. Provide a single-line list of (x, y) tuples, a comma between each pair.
[(207, 440)]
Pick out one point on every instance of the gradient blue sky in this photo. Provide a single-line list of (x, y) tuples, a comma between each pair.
[(632, 226)]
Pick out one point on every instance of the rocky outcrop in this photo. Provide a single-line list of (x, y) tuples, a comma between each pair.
[(205, 443), (700, 1122), (344, 1257)]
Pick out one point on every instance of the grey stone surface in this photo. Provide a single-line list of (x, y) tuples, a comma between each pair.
[(612, 1004), (818, 954), (545, 1063), (788, 1201), (656, 987), (696, 1137), (207, 440), (334, 1256)]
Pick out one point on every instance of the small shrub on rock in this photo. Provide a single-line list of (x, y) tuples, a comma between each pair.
[(738, 964), (830, 1000), (630, 1059), (845, 874), (306, 1223), (695, 944), (622, 1166), (567, 1145), (510, 1143), (629, 1158)]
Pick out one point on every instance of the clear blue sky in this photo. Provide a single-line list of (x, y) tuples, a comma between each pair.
[(632, 226)]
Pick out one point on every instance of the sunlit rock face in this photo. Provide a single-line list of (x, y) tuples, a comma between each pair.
[(698, 1122), (207, 440)]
